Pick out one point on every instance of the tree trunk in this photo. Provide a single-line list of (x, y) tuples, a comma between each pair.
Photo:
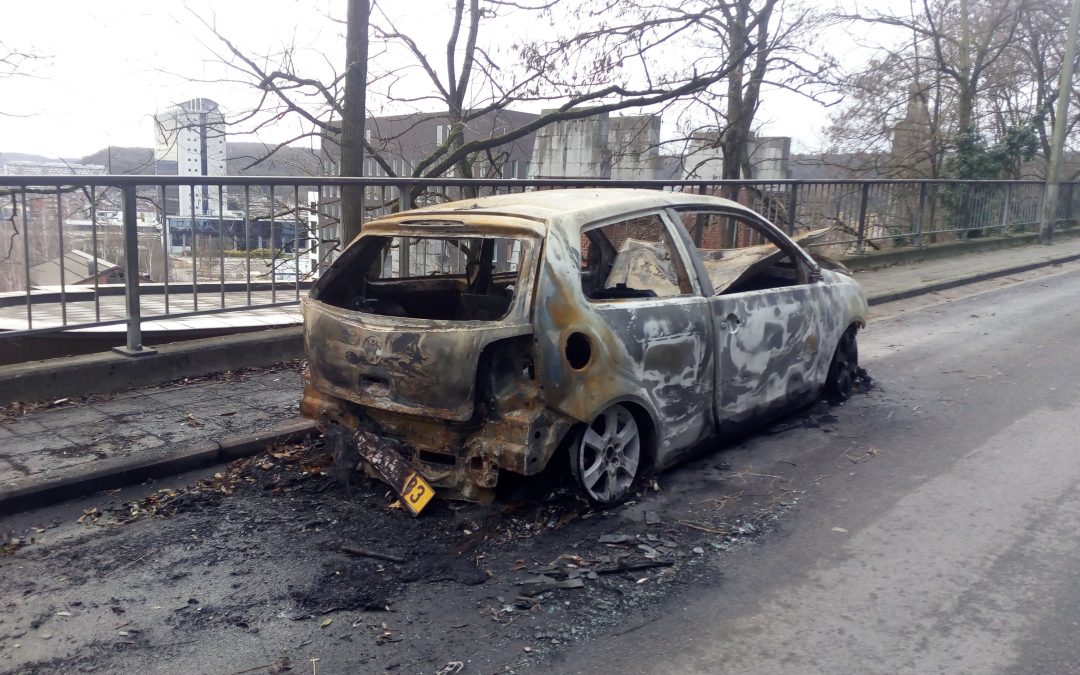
[(353, 114), (733, 140), (967, 86)]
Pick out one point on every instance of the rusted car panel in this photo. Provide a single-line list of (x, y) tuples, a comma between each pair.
[(377, 364), (465, 393), (651, 353)]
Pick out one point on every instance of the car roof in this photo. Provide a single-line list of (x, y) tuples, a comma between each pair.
[(566, 208)]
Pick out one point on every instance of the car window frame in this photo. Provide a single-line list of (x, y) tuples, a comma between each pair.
[(810, 271), (674, 240)]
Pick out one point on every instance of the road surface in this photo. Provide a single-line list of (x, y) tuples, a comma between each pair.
[(930, 525), (952, 547)]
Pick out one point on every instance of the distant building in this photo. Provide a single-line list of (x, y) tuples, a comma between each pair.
[(190, 141), (911, 154), (770, 157), (600, 146), (79, 269), (404, 140), (31, 168)]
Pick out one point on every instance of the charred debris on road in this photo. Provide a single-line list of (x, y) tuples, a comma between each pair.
[(517, 580)]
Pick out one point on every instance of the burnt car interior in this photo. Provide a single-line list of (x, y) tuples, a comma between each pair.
[(436, 278), (631, 259), (739, 256)]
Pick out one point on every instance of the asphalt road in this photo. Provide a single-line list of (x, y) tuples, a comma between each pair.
[(950, 540), (929, 525)]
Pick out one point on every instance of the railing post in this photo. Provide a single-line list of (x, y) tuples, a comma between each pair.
[(863, 201), (920, 215), (404, 254), (699, 222), (793, 203), (1069, 204), (134, 346), (1005, 210)]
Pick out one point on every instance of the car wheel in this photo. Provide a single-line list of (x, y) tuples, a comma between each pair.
[(840, 381), (607, 455)]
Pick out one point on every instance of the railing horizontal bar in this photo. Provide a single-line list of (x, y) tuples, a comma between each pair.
[(159, 318), (314, 181)]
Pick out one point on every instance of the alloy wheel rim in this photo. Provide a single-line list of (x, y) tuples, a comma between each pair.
[(609, 455)]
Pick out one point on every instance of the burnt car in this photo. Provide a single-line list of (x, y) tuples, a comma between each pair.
[(624, 328)]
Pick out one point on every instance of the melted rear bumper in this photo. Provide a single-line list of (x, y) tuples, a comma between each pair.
[(462, 460)]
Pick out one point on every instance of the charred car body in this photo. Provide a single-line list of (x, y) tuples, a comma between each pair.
[(488, 335)]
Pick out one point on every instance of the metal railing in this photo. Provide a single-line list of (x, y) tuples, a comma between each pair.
[(86, 253)]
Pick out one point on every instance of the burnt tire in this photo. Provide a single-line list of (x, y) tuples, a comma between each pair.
[(606, 456), (844, 368)]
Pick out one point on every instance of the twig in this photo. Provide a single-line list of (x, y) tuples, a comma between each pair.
[(704, 528), (721, 502), (251, 670), (863, 457), (501, 626), (640, 625), (348, 548), (126, 565), (633, 567)]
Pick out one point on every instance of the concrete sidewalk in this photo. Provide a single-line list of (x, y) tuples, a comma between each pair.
[(57, 450), (89, 443), (916, 278)]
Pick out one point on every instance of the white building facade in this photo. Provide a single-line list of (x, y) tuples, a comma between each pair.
[(190, 141)]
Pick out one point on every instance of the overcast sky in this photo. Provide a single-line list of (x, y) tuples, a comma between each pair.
[(107, 66)]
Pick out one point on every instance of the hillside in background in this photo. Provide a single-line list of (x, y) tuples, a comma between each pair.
[(288, 161)]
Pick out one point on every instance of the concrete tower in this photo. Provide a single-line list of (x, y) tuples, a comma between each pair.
[(190, 141)]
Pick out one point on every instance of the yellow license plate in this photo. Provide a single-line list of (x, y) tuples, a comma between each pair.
[(417, 493)]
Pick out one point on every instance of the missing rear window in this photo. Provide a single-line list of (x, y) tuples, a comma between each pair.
[(442, 278)]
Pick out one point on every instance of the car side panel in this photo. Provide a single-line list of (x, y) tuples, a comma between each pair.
[(767, 350), (656, 352)]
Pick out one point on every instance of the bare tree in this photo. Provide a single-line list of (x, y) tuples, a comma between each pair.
[(14, 63), (777, 43), (1029, 77), (958, 61), (616, 57)]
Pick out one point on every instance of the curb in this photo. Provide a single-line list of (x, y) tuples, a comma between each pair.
[(922, 289), (123, 471), (109, 371)]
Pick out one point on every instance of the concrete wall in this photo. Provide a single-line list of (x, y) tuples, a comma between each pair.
[(704, 160), (572, 149), (634, 143), (620, 148), (770, 157)]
